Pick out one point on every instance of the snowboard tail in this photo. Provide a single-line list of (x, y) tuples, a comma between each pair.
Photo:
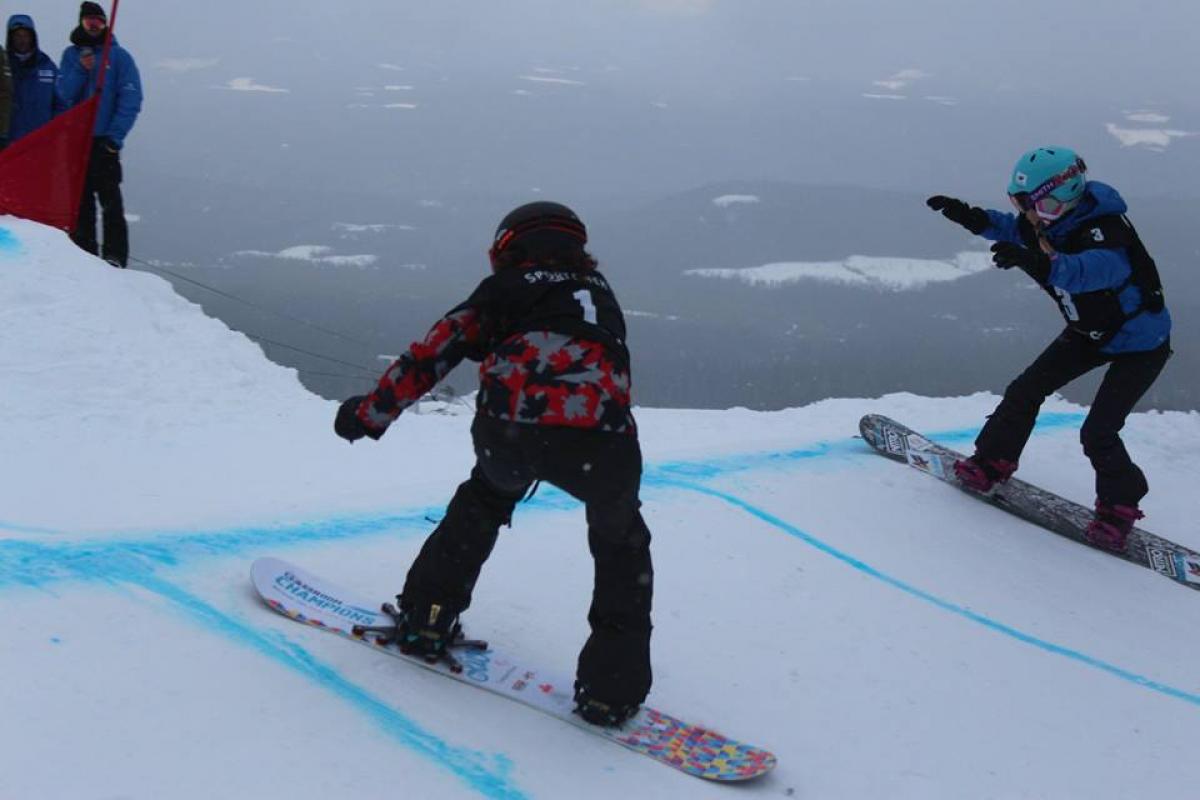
[(309, 599), (1031, 503)]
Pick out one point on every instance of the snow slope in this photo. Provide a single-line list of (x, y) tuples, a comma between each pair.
[(882, 634)]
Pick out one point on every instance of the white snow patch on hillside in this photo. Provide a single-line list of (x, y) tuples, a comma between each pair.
[(548, 79), (248, 85), (886, 273), (1153, 138), (1148, 117), (727, 200), (314, 254), (356, 227)]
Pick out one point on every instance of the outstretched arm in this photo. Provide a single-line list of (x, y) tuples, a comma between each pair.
[(1002, 227), (420, 368)]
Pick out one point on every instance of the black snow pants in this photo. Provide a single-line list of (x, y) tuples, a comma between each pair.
[(103, 183), (603, 470), (1118, 480)]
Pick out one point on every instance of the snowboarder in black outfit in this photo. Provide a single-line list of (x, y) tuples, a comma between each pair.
[(1072, 237), (553, 405)]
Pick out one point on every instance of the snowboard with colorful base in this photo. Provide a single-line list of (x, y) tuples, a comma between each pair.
[(1028, 502), (307, 598)]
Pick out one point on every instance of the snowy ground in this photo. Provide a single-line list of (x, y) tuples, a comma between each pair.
[(884, 635)]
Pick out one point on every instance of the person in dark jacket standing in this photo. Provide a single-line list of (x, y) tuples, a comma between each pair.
[(553, 405), (120, 104), (1073, 238), (35, 98)]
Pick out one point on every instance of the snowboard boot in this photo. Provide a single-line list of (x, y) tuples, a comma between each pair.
[(1111, 526), (982, 474), (426, 630), (598, 712)]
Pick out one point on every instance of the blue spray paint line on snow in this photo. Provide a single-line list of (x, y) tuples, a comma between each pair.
[(8, 242), (489, 775), (35, 564), (722, 466), (945, 605), (115, 556), (14, 527)]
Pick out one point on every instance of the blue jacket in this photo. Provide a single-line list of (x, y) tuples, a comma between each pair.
[(1093, 270), (122, 99), (35, 99)]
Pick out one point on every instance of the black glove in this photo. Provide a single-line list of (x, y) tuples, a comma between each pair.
[(3, 142), (1035, 263), (347, 424), (972, 218), (106, 145)]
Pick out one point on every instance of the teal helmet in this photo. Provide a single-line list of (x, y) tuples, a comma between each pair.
[(1048, 179)]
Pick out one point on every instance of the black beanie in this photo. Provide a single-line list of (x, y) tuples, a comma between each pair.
[(91, 10)]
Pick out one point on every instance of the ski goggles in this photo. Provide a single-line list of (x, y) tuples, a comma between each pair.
[(506, 237), (1041, 199)]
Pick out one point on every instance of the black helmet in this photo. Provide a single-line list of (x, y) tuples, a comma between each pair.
[(538, 226)]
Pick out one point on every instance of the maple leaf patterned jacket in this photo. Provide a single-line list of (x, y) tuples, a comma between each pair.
[(551, 347)]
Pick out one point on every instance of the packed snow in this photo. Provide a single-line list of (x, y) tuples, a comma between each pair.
[(896, 274), (884, 635)]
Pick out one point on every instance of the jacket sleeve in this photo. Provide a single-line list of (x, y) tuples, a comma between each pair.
[(57, 106), (1090, 271), (6, 95), (424, 364), (127, 83), (72, 79), (1003, 227)]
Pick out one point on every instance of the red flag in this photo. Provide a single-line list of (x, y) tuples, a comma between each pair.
[(42, 174)]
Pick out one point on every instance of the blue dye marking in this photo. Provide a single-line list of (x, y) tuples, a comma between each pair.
[(55, 640), (8, 242), (722, 466), (34, 564), (15, 528), (488, 775), (945, 605)]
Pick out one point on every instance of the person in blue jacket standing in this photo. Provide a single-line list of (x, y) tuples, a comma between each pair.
[(34, 74), (120, 104), (1072, 237)]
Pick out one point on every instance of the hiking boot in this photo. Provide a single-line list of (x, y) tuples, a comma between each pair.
[(1111, 526), (982, 474)]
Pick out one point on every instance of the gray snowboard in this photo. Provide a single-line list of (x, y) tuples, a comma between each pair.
[(1028, 502)]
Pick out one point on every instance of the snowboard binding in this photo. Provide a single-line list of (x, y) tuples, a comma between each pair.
[(429, 644)]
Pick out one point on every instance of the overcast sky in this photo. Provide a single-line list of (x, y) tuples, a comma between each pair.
[(645, 96)]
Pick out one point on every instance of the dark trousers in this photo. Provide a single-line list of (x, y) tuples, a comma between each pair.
[(103, 183), (603, 470), (1118, 480)]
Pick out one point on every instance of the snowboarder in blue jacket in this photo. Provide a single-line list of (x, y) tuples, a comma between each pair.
[(34, 74), (120, 104), (1072, 237)]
